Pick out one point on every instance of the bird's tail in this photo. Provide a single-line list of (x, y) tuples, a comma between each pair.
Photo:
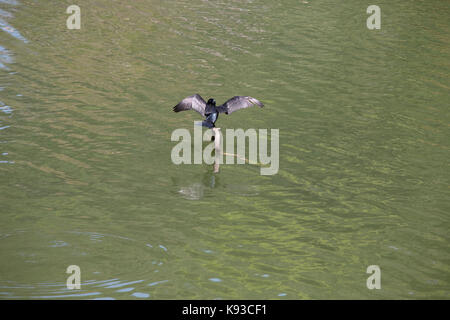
[(208, 124)]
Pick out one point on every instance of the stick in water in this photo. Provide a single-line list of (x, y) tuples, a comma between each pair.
[(217, 135)]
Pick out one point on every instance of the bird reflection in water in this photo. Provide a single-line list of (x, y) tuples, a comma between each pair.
[(197, 190)]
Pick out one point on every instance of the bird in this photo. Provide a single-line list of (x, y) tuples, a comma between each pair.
[(210, 111)]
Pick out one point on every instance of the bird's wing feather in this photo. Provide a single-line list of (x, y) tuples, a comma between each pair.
[(194, 102), (237, 103)]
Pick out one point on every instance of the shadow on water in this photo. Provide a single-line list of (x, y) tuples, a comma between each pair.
[(198, 187)]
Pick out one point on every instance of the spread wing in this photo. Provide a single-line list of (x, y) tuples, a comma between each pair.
[(194, 102), (237, 103)]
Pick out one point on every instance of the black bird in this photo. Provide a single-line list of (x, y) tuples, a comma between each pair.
[(209, 109)]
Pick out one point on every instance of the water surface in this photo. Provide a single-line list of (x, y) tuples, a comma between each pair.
[(86, 176)]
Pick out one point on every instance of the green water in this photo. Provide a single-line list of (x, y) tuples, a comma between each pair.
[(86, 176)]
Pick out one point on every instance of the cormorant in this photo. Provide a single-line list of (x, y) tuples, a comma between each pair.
[(211, 111)]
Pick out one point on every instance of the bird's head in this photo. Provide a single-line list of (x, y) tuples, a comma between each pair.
[(212, 102)]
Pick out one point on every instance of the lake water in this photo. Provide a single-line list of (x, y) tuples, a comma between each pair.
[(86, 176)]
